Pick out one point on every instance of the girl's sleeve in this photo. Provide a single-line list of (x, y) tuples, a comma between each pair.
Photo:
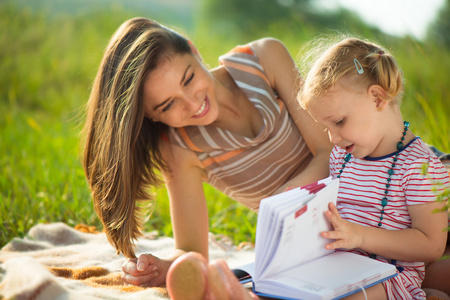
[(425, 180)]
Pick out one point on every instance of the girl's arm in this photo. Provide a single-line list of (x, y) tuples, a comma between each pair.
[(189, 218), (286, 80), (425, 241)]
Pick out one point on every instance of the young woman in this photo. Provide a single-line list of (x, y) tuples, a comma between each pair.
[(156, 109)]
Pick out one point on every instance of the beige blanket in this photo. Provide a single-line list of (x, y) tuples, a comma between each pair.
[(55, 261)]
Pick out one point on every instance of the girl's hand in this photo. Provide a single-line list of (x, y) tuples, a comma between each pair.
[(347, 235), (145, 271)]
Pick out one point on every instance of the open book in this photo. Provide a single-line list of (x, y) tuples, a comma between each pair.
[(291, 261)]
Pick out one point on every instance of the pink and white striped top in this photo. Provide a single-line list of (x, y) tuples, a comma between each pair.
[(419, 176)]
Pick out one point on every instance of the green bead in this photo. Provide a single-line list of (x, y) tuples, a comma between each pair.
[(384, 201), (399, 145), (390, 171), (379, 224), (406, 124)]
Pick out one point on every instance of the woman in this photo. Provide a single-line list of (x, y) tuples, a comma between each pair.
[(154, 107)]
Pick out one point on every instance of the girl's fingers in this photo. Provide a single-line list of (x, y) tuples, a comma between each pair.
[(332, 246), (333, 209)]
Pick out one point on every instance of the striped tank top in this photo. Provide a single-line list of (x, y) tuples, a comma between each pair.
[(248, 169)]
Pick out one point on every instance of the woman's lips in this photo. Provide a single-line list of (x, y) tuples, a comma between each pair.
[(203, 110)]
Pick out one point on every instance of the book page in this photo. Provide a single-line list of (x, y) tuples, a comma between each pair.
[(327, 277), (300, 240), (273, 210)]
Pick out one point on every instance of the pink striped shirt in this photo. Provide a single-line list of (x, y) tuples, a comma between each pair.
[(419, 176)]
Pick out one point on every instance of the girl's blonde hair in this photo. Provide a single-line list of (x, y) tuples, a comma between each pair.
[(342, 60), (121, 146)]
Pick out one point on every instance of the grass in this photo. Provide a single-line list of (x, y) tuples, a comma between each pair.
[(47, 64)]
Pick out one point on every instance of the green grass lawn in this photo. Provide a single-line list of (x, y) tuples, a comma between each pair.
[(47, 65)]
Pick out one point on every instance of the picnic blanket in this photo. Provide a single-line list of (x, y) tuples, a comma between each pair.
[(55, 261)]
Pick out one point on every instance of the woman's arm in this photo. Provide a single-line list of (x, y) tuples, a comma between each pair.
[(286, 80), (189, 218), (188, 209), (425, 241)]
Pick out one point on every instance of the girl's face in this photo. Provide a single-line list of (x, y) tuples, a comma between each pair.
[(352, 119), (180, 92)]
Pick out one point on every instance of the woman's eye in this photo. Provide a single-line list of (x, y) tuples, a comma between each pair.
[(168, 106), (189, 79)]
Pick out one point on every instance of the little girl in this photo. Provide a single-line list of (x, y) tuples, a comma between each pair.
[(389, 179)]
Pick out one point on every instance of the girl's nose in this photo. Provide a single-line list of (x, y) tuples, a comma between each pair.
[(334, 137)]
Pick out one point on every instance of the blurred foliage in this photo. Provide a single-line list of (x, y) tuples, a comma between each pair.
[(251, 19), (439, 30)]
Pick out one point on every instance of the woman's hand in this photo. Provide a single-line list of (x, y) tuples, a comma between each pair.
[(347, 235), (145, 271)]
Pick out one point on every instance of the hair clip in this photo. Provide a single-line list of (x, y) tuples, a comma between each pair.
[(358, 66)]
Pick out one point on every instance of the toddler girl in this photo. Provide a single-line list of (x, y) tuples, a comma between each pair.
[(389, 179)]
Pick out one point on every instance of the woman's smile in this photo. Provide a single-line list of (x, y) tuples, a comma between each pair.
[(203, 110)]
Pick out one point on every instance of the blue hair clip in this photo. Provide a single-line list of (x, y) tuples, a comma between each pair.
[(358, 66)]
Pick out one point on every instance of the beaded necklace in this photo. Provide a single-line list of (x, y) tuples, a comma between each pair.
[(384, 200)]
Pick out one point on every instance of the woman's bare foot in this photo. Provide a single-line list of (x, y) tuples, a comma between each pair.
[(191, 278)]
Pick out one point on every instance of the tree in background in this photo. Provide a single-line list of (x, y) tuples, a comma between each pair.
[(251, 19), (440, 28)]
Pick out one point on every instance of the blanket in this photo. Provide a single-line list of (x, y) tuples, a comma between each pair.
[(55, 261)]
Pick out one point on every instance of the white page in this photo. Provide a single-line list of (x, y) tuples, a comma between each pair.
[(300, 239), (270, 223), (329, 276), (270, 266)]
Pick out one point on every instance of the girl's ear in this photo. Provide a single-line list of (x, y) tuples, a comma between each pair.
[(195, 50), (379, 96)]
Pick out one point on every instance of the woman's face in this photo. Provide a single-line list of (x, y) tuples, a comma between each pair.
[(180, 92)]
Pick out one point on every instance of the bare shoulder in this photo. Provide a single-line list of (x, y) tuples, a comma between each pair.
[(178, 159), (274, 58), (268, 46)]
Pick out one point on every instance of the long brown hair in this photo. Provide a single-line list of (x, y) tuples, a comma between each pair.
[(121, 146)]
